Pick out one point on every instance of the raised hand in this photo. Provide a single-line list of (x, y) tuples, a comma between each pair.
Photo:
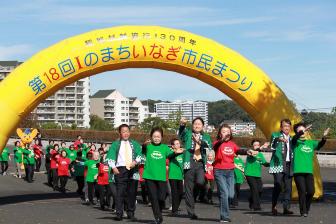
[(147, 142), (265, 145), (183, 121), (283, 140), (326, 132), (309, 127), (180, 150)]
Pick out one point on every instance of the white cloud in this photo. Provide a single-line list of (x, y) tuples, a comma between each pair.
[(15, 52)]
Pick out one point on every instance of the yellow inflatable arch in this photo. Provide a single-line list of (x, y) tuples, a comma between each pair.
[(144, 47)]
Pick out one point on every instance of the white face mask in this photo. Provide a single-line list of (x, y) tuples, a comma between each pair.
[(210, 162)]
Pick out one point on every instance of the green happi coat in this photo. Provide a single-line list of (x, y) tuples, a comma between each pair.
[(278, 159), (112, 154), (185, 135)]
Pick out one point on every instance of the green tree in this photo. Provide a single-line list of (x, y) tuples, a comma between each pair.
[(99, 124), (151, 122)]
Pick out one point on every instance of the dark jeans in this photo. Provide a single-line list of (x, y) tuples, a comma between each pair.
[(38, 163), (157, 191), (144, 192), (193, 176), (63, 181), (92, 190), (29, 172), (256, 188), (104, 193), (177, 193), (49, 174), (4, 166), (282, 181), (126, 187), (305, 186), (54, 178), (113, 194), (236, 194), (80, 184), (225, 185)]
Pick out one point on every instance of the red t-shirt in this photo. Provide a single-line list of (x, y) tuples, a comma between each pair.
[(225, 155), (38, 151), (63, 166), (209, 175), (53, 159), (103, 174), (76, 143)]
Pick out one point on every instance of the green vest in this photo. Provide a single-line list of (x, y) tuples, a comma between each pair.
[(185, 135)]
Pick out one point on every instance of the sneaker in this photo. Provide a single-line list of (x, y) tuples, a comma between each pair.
[(225, 220)]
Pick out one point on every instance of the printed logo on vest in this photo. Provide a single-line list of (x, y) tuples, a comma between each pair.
[(306, 149), (156, 155)]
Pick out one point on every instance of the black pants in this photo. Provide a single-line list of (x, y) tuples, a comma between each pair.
[(177, 193), (256, 188), (157, 191), (92, 189), (144, 192), (38, 162), (29, 172), (49, 174), (80, 184), (236, 194), (63, 181), (193, 176), (113, 194), (305, 186), (104, 193), (54, 178), (282, 181), (126, 188), (4, 166)]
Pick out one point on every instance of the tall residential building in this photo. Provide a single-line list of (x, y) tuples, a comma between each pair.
[(137, 111), (112, 106), (189, 109), (68, 106)]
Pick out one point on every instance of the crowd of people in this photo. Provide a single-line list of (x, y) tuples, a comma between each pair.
[(190, 167)]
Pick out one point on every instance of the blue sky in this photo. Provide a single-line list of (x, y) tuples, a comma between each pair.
[(294, 42)]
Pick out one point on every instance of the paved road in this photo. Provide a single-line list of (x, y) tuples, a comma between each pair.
[(34, 203)]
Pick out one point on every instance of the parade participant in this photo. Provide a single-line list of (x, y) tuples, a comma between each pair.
[(103, 183), (123, 157), (239, 178), (281, 166), (38, 154), (78, 142), (253, 174), (176, 176), (48, 160), (18, 159), (209, 177), (54, 155), (63, 164), (225, 150), (304, 150), (29, 162), (4, 157), (155, 170), (91, 176), (197, 143), (78, 170)]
